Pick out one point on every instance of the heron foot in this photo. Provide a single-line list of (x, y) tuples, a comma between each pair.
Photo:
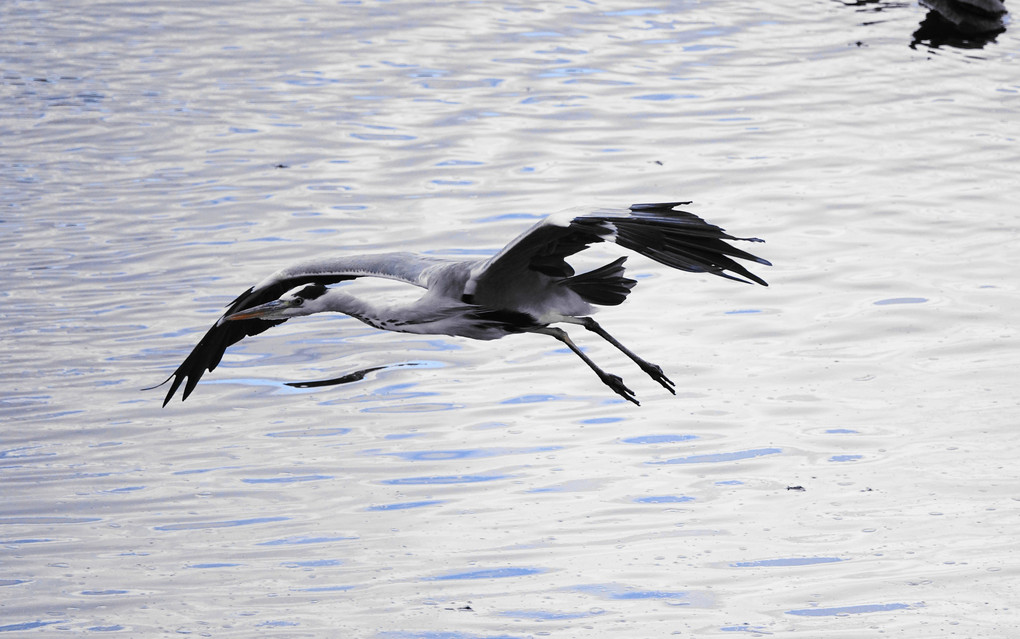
[(616, 383), (655, 372)]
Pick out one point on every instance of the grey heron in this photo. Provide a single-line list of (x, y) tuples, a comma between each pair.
[(524, 288)]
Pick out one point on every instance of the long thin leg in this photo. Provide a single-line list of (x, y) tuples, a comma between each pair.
[(653, 371), (610, 380)]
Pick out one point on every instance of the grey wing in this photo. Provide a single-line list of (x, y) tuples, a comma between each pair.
[(405, 267), (543, 249), (675, 238), (411, 268)]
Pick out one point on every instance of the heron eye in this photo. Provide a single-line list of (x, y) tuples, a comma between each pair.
[(298, 301)]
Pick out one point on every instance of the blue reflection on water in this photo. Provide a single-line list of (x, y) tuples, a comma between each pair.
[(276, 624), (286, 480), (564, 72), (662, 97), (658, 439), (713, 458), (601, 420), (491, 573), (201, 525), (311, 432), (901, 300), (467, 453), (402, 391), (18, 452), (849, 610), (845, 458), (452, 182), (530, 399), (664, 499), (125, 489), (787, 561), (459, 163), (199, 471), (302, 540), (28, 625), (401, 435), (508, 216), (407, 504), (443, 479)]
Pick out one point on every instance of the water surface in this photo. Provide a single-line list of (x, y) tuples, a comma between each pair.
[(840, 459)]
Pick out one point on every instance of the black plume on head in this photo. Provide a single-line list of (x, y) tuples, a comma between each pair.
[(311, 291)]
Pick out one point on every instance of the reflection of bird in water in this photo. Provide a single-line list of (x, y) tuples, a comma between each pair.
[(524, 288), (961, 23)]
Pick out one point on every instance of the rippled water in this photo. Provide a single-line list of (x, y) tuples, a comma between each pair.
[(840, 460)]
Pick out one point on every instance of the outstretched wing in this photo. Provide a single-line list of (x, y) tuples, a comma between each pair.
[(675, 238), (405, 267)]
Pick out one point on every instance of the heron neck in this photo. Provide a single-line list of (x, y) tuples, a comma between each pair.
[(387, 316)]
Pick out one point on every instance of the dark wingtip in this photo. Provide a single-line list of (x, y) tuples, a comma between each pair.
[(206, 355), (173, 387), (166, 400)]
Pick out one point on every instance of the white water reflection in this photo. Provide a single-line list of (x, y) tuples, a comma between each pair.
[(840, 457)]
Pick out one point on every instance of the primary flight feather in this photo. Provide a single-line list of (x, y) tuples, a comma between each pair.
[(525, 288)]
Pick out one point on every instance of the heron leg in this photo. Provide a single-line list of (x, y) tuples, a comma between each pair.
[(653, 371), (612, 381)]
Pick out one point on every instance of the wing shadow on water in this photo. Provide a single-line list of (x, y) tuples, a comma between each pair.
[(356, 376)]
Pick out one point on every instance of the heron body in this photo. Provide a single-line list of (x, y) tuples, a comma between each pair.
[(524, 288)]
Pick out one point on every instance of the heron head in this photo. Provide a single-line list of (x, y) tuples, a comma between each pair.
[(293, 303)]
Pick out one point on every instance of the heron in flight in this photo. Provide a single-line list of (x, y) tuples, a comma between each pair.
[(524, 288)]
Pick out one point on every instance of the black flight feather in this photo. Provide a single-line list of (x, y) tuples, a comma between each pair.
[(209, 351)]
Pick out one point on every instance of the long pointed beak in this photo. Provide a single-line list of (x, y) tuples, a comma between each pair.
[(262, 311)]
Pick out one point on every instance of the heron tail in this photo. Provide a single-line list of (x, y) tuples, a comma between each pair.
[(605, 286)]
